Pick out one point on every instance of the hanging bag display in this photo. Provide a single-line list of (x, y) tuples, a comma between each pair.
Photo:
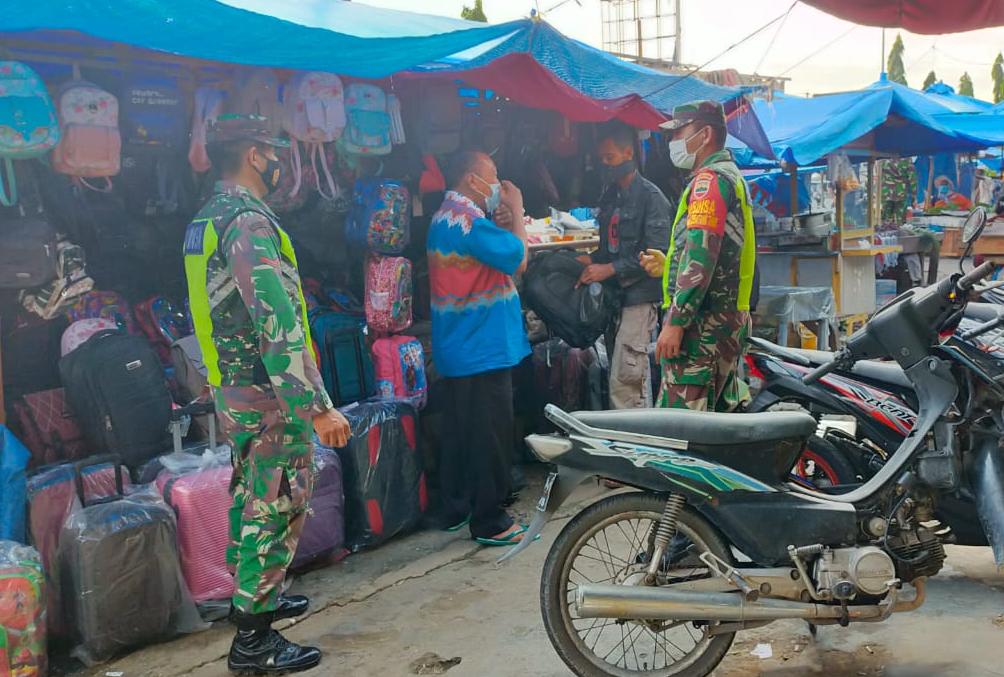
[(380, 218), (208, 105), (388, 294), (28, 253), (153, 112), (29, 127), (368, 129), (91, 144), (314, 104), (256, 92)]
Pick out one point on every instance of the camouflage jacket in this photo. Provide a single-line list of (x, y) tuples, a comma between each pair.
[(708, 245), (247, 302)]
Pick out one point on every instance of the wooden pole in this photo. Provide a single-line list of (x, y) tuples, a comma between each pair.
[(794, 189)]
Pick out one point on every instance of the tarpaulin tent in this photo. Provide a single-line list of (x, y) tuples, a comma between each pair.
[(526, 60), (930, 17), (957, 103), (989, 127), (882, 119)]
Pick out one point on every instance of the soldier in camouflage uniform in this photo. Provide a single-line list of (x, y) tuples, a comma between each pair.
[(708, 273), (250, 319)]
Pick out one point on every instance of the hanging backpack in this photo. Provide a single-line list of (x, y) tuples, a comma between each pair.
[(314, 106), (153, 113), (345, 362), (381, 216), (441, 119), (368, 131), (28, 124), (28, 253), (400, 370), (256, 91), (397, 135), (208, 106), (91, 145), (388, 294)]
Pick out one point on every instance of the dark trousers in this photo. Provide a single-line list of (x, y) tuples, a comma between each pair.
[(476, 447)]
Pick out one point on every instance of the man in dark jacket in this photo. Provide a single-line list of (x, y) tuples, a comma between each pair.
[(634, 216)]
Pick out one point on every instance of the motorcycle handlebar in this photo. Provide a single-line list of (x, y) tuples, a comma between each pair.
[(983, 328), (969, 280)]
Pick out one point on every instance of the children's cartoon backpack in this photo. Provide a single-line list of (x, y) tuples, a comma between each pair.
[(368, 131), (400, 370), (388, 294), (314, 105), (91, 145), (208, 106), (381, 216), (29, 127)]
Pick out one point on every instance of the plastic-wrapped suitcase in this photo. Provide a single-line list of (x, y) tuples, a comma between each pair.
[(51, 491), (200, 497), (323, 536), (385, 490), (118, 565), (22, 611)]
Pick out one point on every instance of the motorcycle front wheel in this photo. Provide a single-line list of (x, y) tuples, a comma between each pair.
[(610, 543)]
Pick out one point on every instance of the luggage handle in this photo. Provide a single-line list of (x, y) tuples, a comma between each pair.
[(207, 409), (78, 476)]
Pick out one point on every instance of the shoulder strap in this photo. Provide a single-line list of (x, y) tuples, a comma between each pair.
[(8, 198)]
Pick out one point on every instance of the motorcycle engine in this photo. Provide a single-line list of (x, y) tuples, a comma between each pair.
[(917, 551), (845, 572)]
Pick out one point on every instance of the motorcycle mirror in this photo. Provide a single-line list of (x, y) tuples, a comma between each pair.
[(974, 225)]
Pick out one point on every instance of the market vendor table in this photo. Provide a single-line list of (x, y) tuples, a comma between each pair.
[(590, 243), (790, 306)]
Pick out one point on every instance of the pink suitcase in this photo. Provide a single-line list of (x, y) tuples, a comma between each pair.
[(388, 294), (400, 370), (201, 501)]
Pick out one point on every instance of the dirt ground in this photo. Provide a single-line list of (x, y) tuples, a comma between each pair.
[(435, 603)]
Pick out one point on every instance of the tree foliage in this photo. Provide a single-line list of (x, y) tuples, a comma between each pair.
[(930, 79), (475, 13), (997, 75), (894, 66), (966, 85)]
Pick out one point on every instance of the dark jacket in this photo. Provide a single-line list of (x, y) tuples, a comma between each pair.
[(633, 220)]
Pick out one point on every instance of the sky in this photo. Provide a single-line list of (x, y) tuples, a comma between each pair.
[(853, 60)]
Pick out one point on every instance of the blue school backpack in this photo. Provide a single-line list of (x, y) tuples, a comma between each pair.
[(28, 124), (153, 113), (368, 128), (380, 217)]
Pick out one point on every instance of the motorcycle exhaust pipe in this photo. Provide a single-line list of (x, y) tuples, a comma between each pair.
[(660, 604)]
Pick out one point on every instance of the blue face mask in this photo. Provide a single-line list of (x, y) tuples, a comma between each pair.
[(494, 197)]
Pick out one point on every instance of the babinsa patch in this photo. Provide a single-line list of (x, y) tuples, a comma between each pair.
[(702, 184)]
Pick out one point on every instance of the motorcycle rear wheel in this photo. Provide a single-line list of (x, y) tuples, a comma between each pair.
[(629, 520)]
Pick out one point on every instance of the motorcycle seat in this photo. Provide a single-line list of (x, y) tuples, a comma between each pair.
[(882, 372), (704, 428)]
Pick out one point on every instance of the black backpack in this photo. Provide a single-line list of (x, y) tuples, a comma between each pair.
[(115, 386), (577, 315), (27, 253)]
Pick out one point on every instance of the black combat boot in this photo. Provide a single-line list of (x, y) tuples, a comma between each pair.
[(259, 650), (290, 606)]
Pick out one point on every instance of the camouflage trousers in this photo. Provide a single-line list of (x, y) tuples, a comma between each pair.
[(272, 481), (706, 375)]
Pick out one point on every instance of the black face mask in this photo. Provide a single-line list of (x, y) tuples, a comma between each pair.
[(614, 173), (270, 175)]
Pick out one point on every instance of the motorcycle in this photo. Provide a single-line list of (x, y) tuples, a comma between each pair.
[(717, 539)]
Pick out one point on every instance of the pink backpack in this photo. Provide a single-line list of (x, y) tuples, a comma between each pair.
[(314, 105), (91, 145), (208, 106), (388, 294), (81, 330), (400, 370)]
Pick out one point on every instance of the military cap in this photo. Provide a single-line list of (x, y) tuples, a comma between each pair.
[(242, 127), (708, 112)]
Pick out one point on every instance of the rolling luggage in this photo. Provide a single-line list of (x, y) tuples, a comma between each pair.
[(22, 611), (323, 536), (385, 491), (118, 565), (115, 385), (345, 362), (51, 494)]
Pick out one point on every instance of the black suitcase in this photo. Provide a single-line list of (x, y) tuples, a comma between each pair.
[(115, 385), (119, 571)]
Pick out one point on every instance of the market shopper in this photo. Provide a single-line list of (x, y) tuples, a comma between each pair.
[(709, 270), (477, 338), (634, 216), (250, 320)]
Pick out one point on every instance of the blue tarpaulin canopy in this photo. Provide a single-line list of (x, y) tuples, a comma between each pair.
[(884, 119), (957, 103), (988, 127), (526, 60)]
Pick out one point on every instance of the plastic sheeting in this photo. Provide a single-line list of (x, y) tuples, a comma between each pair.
[(385, 492), (930, 17), (323, 536), (22, 611), (14, 458), (885, 118), (791, 305)]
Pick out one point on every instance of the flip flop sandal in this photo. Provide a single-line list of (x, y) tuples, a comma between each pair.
[(508, 540), (459, 525)]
